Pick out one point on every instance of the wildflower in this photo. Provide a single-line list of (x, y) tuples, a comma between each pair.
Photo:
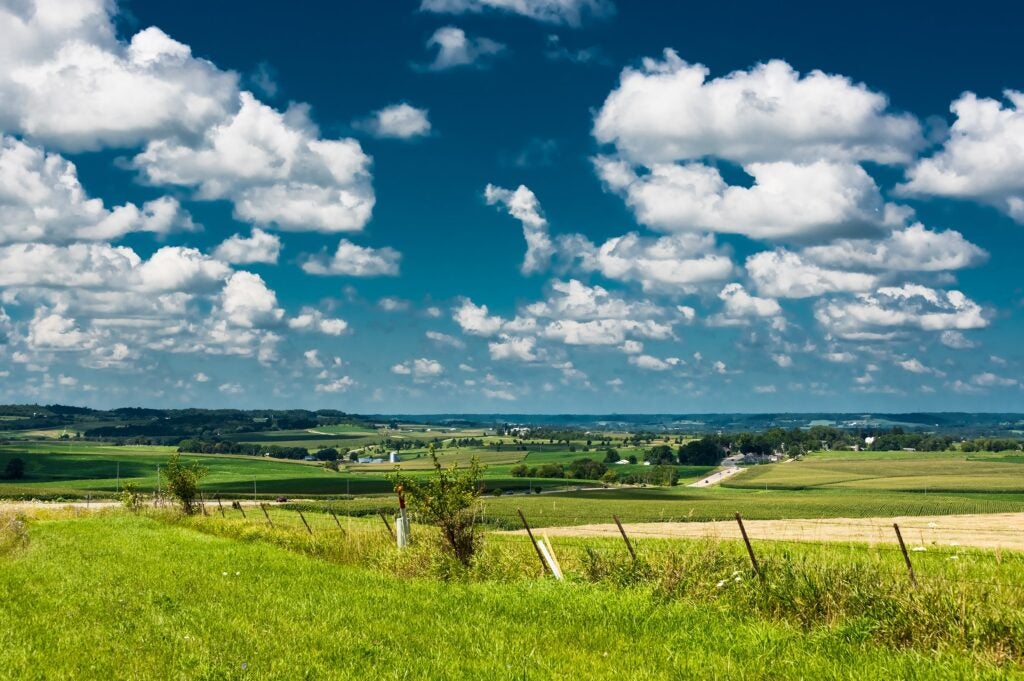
[(932, 525), (918, 548), (738, 578), (237, 573), (722, 583), (225, 574), (954, 557)]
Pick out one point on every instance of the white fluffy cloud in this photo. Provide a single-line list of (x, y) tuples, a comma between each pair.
[(675, 262), (605, 331), (247, 302), (651, 363), (889, 310), (575, 300), (65, 79), (983, 159), (337, 385), (356, 261), (568, 12), (785, 274), (108, 268), (260, 247), (444, 339), (398, 121), (455, 48), (42, 200), (739, 304), (787, 200), (668, 110), (311, 319), (422, 368), (858, 265), (273, 167), (513, 347)]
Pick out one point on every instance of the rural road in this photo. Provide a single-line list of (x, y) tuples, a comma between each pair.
[(992, 530), (715, 478)]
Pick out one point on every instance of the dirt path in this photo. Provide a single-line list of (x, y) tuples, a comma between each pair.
[(995, 530)]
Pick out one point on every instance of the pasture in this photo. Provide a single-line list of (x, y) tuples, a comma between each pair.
[(232, 599)]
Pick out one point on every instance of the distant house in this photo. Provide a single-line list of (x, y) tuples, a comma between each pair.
[(621, 462), (393, 457), (365, 459), (309, 458)]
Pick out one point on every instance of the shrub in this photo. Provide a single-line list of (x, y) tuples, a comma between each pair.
[(13, 534), (449, 499), (183, 482), (131, 497)]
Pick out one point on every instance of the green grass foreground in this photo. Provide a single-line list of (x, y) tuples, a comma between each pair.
[(120, 596)]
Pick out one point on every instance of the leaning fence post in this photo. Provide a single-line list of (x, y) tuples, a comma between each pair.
[(337, 522), (750, 549), (906, 556), (386, 523), (529, 532), (241, 510), (267, 515), (308, 528), (221, 507), (202, 504), (624, 537), (402, 521)]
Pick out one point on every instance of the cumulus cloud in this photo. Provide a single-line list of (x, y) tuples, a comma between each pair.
[(42, 200), (675, 262), (651, 363), (311, 319), (667, 110), (337, 385), (67, 80), (356, 261), (513, 347), (740, 305), (889, 310), (273, 167), (605, 331), (422, 368), (455, 48), (398, 121), (990, 380), (575, 300), (956, 340), (476, 319), (259, 247), (247, 302), (786, 201), (108, 268), (983, 159), (858, 265), (567, 12)]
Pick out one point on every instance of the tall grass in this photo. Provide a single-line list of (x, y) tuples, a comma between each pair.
[(971, 603), (13, 533)]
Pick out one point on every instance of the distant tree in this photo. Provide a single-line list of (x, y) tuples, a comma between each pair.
[(703, 452), (519, 470), (15, 469), (631, 458), (611, 456)]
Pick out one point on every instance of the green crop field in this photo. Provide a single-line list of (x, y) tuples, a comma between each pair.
[(122, 596), (896, 471)]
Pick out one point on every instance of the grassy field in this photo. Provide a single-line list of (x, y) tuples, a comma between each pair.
[(891, 471), (119, 596)]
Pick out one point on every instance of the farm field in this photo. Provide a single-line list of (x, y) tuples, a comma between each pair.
[(895, 471), (116, 584)]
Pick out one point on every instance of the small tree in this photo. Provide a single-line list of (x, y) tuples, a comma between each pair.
[(15, 469), (450, 498), (183, 481)]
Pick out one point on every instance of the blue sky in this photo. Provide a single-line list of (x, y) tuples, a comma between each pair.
[(511, 205)]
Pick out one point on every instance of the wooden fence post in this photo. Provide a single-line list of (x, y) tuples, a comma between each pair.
[(624, 537), (906, 556), (308, 528), (241, 510), (750, 549), (266, 515), (529, 532), (337, 522), (221, 507), (386, 523)]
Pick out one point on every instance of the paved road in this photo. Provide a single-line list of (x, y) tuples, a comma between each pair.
[(716, 478)]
